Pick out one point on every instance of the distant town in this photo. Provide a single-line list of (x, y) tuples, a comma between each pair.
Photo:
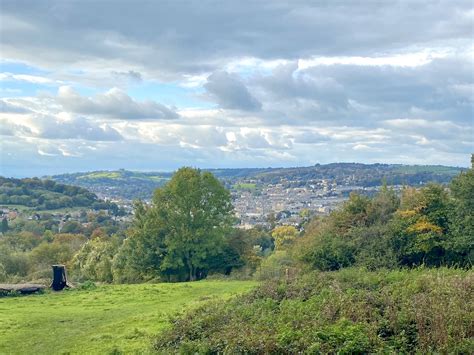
[(280, 196)]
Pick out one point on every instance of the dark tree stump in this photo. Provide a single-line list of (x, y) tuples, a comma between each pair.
[(59, 278)]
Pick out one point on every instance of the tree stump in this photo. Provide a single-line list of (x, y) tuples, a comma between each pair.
[(59, 278)]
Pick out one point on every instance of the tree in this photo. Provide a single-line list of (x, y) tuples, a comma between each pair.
[(195, 212), (141, 254), (423, 225), (4, 226), (73, 227), (461, 243), (47, 254), (284, 236), (180, 236), (94, 260)]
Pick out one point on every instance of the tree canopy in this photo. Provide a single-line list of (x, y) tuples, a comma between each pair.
[(183, 229)]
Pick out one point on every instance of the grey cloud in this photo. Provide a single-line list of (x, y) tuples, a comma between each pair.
[(230, 92), (115, 103), (74, 128), (171, 38), (398, 89), (366, 95), (128, 75)]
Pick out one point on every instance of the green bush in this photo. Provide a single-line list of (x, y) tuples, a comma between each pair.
[(348, 311), (274, 266)]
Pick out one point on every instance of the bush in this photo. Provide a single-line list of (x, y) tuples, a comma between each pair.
[(348, 311), (329, 252), (274, 266)]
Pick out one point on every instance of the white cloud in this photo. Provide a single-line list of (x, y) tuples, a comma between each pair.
[(53, 127), (399, 60), (34, 79), (114, 103)]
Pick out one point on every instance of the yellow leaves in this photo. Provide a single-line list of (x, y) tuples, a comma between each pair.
[(407, 213), (284, 236), (424, 226)]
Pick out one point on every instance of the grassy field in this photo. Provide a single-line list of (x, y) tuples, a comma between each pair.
[(107, 319), (245, 186)]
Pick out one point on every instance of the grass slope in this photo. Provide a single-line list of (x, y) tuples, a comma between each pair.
[(107, 319)]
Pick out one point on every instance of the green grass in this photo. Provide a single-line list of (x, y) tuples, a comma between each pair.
[(102, 175), (107, 319), (245, 186), (22, 208), (119, 175)]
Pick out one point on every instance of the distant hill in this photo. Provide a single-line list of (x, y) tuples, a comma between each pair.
[(46, 194), (140, 185), (117, 184), (365, 175)]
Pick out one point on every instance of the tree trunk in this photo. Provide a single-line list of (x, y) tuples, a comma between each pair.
[(192, 273), (192, 270), (59, 278)]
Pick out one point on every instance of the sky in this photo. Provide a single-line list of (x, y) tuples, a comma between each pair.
[(155, 85)]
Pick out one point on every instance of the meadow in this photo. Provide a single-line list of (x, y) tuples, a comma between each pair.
[(102, 319)]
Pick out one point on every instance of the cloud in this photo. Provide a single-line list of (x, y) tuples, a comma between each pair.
[(71, 127), (130, 75), (230, 92), (362, 95), (433, 129), (34, 79), (55, 127), (254, 83), (114, 103), (311, 137), (163, 37), (8, 128), (7, 107)]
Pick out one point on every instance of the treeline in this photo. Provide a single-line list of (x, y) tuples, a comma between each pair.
[(431, 226), (365, 175), (185, 234), (48, 195), (28, 248)]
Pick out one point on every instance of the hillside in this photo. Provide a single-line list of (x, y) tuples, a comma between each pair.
[(132, 185), (117, 184), (40, 194)]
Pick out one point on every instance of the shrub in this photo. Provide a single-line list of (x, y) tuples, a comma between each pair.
[(348, 311)]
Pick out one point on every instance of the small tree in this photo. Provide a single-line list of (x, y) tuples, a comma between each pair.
[(4, 226)]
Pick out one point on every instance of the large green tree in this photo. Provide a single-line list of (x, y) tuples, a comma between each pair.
[(195, 210)]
